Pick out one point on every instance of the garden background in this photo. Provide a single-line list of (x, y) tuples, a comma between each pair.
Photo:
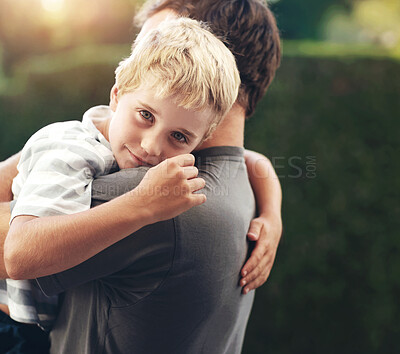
[(329, 123)]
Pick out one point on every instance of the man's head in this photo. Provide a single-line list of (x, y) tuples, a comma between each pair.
[(249, 30), (171, 93)]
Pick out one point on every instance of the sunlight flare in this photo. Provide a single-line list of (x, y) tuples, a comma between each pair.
[(53, 5)]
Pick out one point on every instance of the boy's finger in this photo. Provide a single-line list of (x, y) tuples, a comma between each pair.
[(198, 199), (190, 172), (196, 184), (183, 160)]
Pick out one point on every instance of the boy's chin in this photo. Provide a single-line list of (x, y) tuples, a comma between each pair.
[(128, 164)]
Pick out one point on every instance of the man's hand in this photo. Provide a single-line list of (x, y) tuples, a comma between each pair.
[(266, 230), (168, 189), (267, 234)]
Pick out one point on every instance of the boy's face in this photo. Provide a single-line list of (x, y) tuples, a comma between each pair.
[(145, 130)]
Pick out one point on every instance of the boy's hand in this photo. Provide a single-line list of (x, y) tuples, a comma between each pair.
[(267, 235), (167, 189)]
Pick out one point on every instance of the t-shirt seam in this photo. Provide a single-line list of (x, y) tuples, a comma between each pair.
[(227, 158)]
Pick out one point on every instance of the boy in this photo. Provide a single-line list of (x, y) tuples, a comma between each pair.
[(169, 96)]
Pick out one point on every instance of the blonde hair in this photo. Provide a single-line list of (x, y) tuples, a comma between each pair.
[(182, 59)]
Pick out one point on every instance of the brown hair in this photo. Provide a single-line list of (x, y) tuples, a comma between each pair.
[(247, 27)]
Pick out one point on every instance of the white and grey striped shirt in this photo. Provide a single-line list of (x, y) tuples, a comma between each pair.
[(56, 170)]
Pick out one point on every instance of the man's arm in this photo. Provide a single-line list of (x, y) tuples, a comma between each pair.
[(266, 229), (8, 170), (37, 247)]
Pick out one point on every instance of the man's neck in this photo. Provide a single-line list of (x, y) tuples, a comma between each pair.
[(230, 132)]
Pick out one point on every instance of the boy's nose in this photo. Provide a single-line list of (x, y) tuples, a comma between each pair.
[(152, 145)]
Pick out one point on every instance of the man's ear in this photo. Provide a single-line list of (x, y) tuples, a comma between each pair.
[(114, 98)]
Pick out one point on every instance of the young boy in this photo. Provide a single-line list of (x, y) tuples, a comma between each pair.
[(169, 96)]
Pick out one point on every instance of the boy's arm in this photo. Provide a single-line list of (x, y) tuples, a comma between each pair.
[(4, 226), (8, 170), (36, 247), (266, 229)]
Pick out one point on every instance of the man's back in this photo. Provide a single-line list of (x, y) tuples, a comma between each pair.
[(173, 286)]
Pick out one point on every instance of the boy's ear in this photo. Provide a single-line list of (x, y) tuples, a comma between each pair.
[(114, 98)]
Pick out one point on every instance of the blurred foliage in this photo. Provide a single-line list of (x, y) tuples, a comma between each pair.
[(348, 21), (309, 48), (49, 26), (304, 19), (331, 128), (369, 21)]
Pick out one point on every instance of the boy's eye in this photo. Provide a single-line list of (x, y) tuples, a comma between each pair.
[(146, 115), (179, 137)]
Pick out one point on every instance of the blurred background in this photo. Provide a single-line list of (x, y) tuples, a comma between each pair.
[(329, 123)]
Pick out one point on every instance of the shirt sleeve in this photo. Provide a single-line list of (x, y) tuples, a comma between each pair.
[(55, 174)]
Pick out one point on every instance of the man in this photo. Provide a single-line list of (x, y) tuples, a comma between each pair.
[(178, 292)]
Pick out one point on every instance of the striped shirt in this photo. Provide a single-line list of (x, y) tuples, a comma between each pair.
[(56, 170)]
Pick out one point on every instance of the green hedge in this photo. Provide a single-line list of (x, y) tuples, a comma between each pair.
[(336, 282), (330, 127)]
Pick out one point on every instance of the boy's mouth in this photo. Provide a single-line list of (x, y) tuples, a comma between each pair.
[(137, 160)]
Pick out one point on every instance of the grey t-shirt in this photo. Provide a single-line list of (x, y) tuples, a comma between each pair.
[(172, 287)]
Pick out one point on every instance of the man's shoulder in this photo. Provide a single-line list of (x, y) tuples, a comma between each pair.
[(230, 204), (227, 183)]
